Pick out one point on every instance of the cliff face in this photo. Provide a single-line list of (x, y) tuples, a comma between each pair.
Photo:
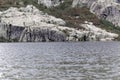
[(27, 34), (105, 9)]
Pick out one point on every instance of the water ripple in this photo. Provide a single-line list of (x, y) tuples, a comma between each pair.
[(60, 61)]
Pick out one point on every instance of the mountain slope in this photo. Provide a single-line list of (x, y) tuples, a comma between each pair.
[(104, 9)]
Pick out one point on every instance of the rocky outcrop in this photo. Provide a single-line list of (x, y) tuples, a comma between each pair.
[(34, 25), (29, 16), (50, 3), (31, 25), (105, 9)]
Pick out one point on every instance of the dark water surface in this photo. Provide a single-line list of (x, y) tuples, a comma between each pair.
[(60, 61)]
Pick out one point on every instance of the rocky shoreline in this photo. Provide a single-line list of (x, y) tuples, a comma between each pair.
[(28, 24)]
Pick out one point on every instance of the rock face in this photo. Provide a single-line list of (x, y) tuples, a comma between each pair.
[(27, 34), (34, 25), (50, 3), (105, 9), (28, 24), (10, 32)]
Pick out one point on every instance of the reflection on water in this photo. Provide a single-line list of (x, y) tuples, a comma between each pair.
[(60, 61)]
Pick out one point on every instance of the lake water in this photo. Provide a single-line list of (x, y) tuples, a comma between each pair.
[(60, 61)]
